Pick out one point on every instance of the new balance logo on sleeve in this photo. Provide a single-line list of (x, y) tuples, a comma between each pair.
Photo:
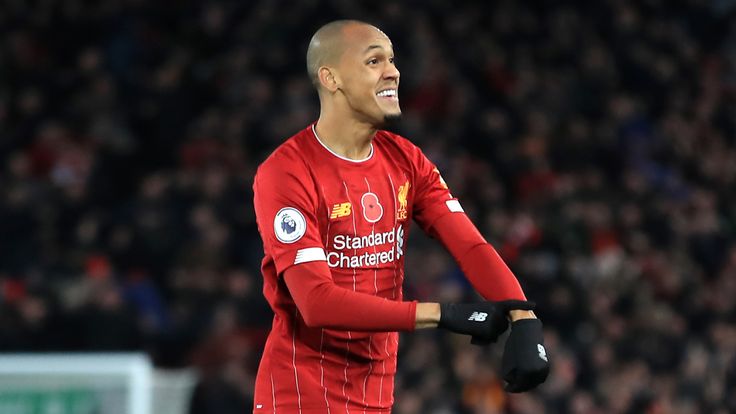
[(478, 316)]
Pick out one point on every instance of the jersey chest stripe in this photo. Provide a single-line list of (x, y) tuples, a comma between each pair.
[(293, 359), (393, 194), (322, 368), (329, 222), (273, 394), (393, 295), (355, 229), (375, 286), (397, 287), (322, 331), (373, 230), (350, 335)]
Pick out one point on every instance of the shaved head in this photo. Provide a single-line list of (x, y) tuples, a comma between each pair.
[(327, 45), (351, 65)]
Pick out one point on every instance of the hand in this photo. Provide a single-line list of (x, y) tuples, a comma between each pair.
[(525, 361), (484, 321)]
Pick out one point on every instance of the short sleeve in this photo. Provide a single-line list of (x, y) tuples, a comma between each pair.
[(286, 204), (432, 198)]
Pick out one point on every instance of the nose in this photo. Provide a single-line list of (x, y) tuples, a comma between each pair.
[(392, 72)]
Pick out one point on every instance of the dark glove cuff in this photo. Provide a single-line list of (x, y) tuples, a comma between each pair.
[(445, 310), (528, 324)]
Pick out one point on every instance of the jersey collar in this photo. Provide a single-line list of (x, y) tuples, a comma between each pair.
[(370, 155)]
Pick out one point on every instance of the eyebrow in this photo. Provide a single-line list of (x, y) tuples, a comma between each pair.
[(371, 47)]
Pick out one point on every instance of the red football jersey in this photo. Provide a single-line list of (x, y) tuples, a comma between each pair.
[(312, 204)]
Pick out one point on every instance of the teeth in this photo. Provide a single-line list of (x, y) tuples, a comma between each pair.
[(387, 92)]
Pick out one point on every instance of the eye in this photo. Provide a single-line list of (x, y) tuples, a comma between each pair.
[(391, 59), (373, 61)]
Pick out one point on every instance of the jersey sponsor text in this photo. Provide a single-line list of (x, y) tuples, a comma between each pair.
[(338, 258)]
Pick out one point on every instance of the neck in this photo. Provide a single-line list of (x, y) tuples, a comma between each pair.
[(345, 136)]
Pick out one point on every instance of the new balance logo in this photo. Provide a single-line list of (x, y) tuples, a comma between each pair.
[(542, 352), (478, 316), (341, 210)]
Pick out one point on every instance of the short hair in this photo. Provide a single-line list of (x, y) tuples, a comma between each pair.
[(326, 46)]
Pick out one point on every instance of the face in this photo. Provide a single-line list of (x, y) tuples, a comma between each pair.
[(368, 76)]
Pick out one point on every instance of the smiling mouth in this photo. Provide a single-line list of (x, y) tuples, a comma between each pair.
[(391, 94)]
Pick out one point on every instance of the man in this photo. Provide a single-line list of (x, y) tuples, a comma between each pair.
[(333, 205)]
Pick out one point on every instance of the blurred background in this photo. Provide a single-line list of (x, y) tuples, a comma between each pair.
[(593, 143)]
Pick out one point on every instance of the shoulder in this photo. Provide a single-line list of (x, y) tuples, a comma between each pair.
[(390, 139), (287, 159), (286, 174), (398, 147), (396, 144)]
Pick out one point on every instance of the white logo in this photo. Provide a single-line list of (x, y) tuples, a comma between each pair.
[(478, 316), (338, 253), (399, 241), (259, 405), (289, 225), (542, 352)]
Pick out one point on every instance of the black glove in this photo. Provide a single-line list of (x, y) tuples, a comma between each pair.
[(525, 361), (484, 321)]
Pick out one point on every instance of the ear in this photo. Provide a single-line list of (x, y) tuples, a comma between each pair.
[(328, 78)]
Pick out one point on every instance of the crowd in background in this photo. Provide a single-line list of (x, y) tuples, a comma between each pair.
[(593, 143)]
